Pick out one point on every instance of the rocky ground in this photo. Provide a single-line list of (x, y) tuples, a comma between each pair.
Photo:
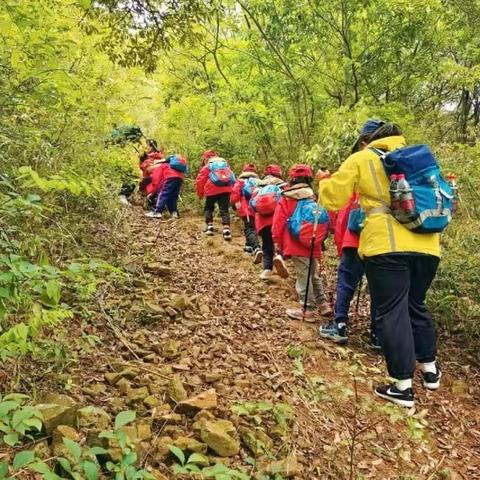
[(201, 350)]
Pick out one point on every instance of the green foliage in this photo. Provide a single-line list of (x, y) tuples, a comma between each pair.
[(17, 420)]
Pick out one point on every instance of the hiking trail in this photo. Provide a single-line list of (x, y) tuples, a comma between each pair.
[(195, 316)]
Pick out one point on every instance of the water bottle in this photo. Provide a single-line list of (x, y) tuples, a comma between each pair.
[(407, 202), (452, 180), (394, 194)]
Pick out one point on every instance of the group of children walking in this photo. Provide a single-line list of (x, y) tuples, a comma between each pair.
[(282, 221)]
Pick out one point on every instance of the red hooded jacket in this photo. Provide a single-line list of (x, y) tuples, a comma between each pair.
[(160, 175), (148, 165), (205, 187), (238, 199), (343, 237), (285, 208), (262, 221)]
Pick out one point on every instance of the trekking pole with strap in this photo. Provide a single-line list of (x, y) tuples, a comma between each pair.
[(310, 261), (359, 292)]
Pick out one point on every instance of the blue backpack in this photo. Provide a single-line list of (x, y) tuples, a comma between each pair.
[(265, 200), (220, 173), (249, 185), (433, 196), (302, 222), (178, 163)]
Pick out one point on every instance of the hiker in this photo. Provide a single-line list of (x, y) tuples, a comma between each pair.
[(263, 203), (399, 263), (214, 182), (300, 188), (240, 199), (348, 224), (149, 160), (167, 181)]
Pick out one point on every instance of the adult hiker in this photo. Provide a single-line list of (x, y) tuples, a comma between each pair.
[(292, 233), (166, 183), (400, 265), (348, 224), (214, 182), (263, 202), (240, 199)]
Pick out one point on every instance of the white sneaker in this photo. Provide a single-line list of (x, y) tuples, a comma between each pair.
[(175, 215), (154, 215), (258, 256), (227, 235), (209, 230), (280, 266), (123, 200), (266, 274)]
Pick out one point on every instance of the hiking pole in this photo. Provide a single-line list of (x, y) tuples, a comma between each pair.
[(360, 284), (310, 260)]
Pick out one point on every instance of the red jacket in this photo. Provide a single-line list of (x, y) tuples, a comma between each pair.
[(285, 208), (205, 187), (238, 199), (160, 175), (343, 237), (262, 221), (148, 165)]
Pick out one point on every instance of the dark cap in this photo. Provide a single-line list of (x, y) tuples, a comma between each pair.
[(370, 126)]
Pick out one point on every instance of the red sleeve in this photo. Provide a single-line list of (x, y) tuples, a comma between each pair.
[(279, 224), (202, 178), (158, 175), (236, 194)]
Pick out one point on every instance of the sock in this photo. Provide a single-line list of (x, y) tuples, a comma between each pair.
[(429, 367), (404, 384)]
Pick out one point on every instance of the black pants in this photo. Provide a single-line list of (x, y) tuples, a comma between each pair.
[(398, 285), (267, 247), (251, 239), (223, 201)]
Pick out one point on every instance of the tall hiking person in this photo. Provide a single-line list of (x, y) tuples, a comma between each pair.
[(292, 232), (401, 260), (214, 182), (240, 199), (263, 202)]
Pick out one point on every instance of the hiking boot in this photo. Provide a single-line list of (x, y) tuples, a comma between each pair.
[(258, 256), (175, 215), (227, 235), (280, 266), (393, 394), (325, 309), (154, 215), (298, 314), (266, 274), (431, 381), (337, 332), (209, 230), (248, 249)]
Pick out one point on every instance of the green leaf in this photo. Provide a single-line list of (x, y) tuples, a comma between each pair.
[(85, 4), (3, 469), (197, 458), (21, 415), (74, 448), (53, 291), (34, 423), (22, 459), (90, 469), (98, 451), (40, 467), (11, 439), (65, 464), (124, 417), (7, 406), (178, 452)]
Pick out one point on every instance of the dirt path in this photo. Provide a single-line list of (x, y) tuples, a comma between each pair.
[(243, 341), (195, 310)]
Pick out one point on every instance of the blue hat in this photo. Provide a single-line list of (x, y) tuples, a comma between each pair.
[(370, 126)]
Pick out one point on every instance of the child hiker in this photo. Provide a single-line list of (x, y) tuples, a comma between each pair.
[(149, 160), (214, 182), (240, 198), (167, 181), (264, 201), (297, 247), (400, 264)]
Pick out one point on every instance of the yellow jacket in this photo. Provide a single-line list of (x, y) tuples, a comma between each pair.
[(363, 173)]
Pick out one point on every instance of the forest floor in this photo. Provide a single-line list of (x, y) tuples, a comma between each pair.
[(194, 316)]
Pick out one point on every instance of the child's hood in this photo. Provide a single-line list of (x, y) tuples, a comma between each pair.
[(270, 180), (300, 191), (245, 175)]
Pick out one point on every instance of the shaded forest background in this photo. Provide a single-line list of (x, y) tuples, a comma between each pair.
[(263, 81)]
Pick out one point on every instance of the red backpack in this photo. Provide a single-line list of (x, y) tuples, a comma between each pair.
[(266, 199)]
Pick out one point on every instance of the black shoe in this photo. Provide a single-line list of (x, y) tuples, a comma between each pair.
[(393, 394), (248, 249), (227, 235), (335, 332), (431, 381), (209, 230)]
